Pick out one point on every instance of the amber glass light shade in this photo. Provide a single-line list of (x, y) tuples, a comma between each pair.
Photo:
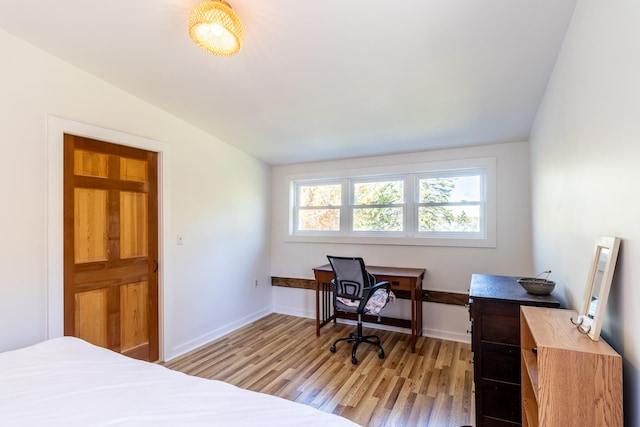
[(216, 28)]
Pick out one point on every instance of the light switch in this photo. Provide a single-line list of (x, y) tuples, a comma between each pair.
[(180, 241)]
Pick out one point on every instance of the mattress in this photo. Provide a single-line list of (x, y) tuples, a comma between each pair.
[(69, 382)]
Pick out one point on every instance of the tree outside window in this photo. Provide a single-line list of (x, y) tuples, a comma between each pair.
[(450, 204), (319, 207), (378, 206)]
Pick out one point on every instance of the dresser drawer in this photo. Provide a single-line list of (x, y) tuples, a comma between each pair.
[(501, 362), (501, 328), (500, 400), (500, 307)]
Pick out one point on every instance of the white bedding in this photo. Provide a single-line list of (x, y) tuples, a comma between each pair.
[(69, 382)]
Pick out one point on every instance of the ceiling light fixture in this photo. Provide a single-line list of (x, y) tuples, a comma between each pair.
[(216, 28)]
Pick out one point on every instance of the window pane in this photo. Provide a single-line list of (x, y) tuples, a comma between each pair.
[(320, 195), (449, 218), (377, 219), (378, 193), (450, 189), (319, 220)]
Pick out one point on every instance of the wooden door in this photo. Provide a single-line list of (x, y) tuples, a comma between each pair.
[(111, 246)]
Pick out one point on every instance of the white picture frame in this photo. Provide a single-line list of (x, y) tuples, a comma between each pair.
[(598, 286)]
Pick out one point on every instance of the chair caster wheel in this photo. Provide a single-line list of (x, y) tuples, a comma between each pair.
[(332, 349), (354, 360)]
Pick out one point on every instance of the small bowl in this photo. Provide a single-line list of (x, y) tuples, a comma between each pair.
[(537, 286)]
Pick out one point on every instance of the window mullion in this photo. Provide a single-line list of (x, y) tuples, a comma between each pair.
[(410, 213), (345, 212)]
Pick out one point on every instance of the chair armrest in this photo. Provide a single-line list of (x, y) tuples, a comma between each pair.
[(383, 284), (368, 293)]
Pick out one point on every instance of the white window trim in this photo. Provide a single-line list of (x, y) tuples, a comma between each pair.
[(486, 240)]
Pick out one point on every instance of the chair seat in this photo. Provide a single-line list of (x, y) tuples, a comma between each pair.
[(375, 304)]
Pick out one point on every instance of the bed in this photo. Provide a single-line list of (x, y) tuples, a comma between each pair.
[(69, 382)]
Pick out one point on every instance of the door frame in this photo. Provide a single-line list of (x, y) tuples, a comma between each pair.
[(56, 128)]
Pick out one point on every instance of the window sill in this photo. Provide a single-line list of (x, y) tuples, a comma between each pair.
[(396, 241)]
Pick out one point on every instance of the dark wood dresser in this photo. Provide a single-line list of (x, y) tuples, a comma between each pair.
[(494, 310)]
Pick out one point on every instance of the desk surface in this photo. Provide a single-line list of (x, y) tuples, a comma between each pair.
[(383, 271)]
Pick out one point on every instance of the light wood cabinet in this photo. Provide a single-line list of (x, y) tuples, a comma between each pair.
[(567, 379)]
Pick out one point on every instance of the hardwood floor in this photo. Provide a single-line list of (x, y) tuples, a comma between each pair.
[(281, 355)]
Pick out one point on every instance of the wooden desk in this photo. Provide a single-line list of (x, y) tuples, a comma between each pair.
[(406, 283)]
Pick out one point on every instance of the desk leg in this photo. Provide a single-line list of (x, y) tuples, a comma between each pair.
[(419, 310), (317, 308), (414, 325)]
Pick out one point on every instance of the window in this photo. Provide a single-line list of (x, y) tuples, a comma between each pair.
[(378, 206), (451, 203), (448, 207), (319, 207)]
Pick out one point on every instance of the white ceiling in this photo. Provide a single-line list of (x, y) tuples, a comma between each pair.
[(321, 80)]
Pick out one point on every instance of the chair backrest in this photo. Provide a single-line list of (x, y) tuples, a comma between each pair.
[(351, 276)]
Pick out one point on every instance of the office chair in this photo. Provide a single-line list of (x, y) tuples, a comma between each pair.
[(355, 291)]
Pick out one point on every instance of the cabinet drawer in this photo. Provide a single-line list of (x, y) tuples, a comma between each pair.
[(501, 362), (397, 283), (500, 400), (501, 328)]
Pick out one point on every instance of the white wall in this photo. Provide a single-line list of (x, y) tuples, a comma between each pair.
[(585, 150), (217, 197), (448, 268)]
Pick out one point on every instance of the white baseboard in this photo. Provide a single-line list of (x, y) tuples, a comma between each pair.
[(292, 311), (186, 347), (427, 332)]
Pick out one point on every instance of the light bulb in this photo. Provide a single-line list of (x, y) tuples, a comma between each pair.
[(216, 30)]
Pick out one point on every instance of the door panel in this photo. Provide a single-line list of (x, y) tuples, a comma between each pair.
[(111, 227), (133, 224), (135, 326), (88, 163), (90, 212), (92, 316), (133, 170)]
